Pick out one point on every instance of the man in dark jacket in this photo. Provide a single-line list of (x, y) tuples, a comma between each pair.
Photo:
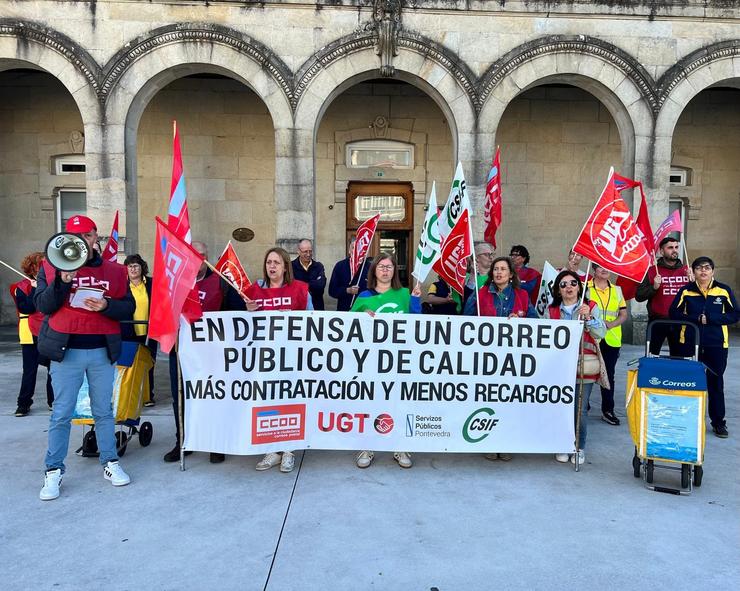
[(343, 286), (81, 335), (659, 288), (310, 271)]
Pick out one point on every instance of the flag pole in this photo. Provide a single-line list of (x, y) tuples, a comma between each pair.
[(180, 409), (359, 278), (585, 283), (16, 270), (475, 269), (580, 396)]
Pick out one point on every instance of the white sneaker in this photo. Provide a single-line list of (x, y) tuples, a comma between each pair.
[(403, 458), (287, 462), (364, 459), (562, 458), (270, 460), (115, 474), (52, 482), (581, 458)]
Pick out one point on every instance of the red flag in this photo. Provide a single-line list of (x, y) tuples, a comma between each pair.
[(230, 267), (610, 236), (492, 209), (364, 238), (455, 250), (110, 252), (176, 266), (671, 224), (178, 219)]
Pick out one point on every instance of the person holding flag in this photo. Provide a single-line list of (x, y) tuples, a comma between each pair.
[(659, 288), (277, 290), (608, 297), (567, 304), (345, 285), (385, 295)]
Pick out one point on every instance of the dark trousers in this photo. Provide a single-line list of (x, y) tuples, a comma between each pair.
[(610, 355), (715, 358), (174, 382), (31, 362), (672, 332)]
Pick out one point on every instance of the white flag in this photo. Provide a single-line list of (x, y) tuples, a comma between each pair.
[(544, 297), (428, 250), (457, 202)]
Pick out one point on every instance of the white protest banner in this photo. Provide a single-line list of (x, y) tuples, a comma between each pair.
[(544, 296), (271, 381)]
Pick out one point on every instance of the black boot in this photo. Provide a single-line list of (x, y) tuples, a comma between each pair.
[(174, 454)]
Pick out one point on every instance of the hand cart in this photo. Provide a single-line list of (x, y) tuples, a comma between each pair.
[(666, 402)]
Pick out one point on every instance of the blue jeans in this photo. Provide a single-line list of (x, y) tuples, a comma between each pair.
[(66, 377), (586, 395)]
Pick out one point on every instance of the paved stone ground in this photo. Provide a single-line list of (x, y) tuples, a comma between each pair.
[(453, 522)]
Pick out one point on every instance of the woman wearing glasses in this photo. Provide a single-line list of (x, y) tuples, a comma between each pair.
[(277, 290), (712, 305), (384, 295), (566, 305)]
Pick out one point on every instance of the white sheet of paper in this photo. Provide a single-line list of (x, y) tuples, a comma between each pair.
[(78, 298)]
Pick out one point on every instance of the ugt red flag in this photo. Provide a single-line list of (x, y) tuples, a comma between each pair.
[(178, 219), (176, 266), (110, 252), (230, 267), (610, 236), (671, 224), (363, 240), (455, 250), (492, 207)]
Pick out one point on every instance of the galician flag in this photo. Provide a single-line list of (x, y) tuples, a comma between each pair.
[(178, 220), (110, 252), (429, 244), (393, 301)]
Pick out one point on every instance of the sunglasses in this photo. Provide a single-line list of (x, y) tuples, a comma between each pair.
[(572, 283)]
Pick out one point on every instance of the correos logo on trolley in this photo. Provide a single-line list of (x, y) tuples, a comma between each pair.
[(271, 424), (670, 383)]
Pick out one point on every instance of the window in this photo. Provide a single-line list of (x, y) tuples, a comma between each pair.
[(73, 164), (71, 202), (381, 153), (679, 177), (392, 208)]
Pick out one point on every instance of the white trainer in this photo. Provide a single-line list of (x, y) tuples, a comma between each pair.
[(581, 458), (562, 458), (364, 459), (403, 458), (271, 459), (113, 472), (287, 462), (52, 482)]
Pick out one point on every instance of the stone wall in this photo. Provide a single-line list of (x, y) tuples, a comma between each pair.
[(228, 151)]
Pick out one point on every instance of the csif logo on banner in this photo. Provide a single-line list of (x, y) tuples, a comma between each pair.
[(479, 425)]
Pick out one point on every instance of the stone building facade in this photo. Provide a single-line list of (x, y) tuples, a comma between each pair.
[(298, 118)]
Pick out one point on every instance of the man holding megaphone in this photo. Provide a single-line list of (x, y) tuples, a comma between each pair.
[(84, 298)]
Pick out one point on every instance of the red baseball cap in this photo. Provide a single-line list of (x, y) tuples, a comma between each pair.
[(80, 224)]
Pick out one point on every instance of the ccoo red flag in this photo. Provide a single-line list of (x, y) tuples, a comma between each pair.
[(110, 252), (454, 252), (176, 266), (230, 267), (363, 240), (610, 236), (492, 209)]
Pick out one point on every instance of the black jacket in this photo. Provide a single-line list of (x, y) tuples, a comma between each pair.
[(315, 276), (50, 296)]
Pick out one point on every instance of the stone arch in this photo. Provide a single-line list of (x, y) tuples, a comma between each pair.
[(134, 76), (700, 69), (25, 44), (420, 62), (610, 75)]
